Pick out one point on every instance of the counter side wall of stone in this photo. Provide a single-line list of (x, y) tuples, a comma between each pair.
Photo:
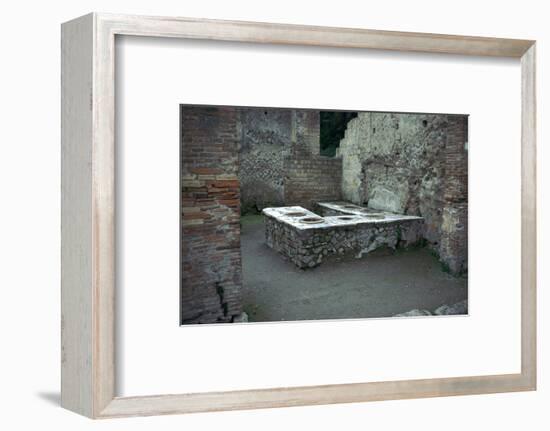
[(310, 247)]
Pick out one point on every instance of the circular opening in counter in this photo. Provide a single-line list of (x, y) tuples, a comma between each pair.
[(295, 214), (312, 220)]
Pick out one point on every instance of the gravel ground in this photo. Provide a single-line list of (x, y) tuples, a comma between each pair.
[(380, 285)]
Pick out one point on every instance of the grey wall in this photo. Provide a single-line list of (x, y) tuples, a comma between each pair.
[(280, 162), (265, 141), (413, 164), (395, 162)]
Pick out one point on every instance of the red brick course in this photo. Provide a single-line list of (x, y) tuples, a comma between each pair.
[(311, 179), (210, 204), (454, 226)]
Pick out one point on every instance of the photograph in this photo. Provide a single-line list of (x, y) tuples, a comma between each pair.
[(236, 215), (300, 214)]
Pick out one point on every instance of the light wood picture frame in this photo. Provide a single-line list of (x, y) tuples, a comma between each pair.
[(88, 214)]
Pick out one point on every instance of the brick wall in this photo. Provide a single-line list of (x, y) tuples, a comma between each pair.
[(310, 179), (280, 162), (456, 160), (211, 276), (306, 129), (454, 227)]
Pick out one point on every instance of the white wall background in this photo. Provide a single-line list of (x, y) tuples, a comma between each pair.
[(29, 228)]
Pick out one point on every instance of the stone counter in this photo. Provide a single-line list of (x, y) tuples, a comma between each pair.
[(307, 239)]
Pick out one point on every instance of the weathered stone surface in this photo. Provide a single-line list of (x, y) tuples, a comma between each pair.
[(389, 200), (308, 246), (458, 308), (280, 162), (444, 310), (412, 164), (413, 313), (241, 318), (392, 159), (266, 136)]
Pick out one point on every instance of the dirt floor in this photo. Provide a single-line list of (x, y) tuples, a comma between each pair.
[(379, 285)]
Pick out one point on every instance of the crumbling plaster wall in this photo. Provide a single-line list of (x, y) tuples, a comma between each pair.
[(405, 163)]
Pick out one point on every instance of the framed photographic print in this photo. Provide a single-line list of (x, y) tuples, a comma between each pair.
[(262, 215)]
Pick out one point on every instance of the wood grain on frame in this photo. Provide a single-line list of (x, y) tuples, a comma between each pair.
[(88, 214), (76, 216), (528, 217)]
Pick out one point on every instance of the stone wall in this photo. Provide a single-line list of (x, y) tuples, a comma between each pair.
[(211, 276), (266, 136), (412, 164), (307, 248), (280, 162), (306, 131)]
